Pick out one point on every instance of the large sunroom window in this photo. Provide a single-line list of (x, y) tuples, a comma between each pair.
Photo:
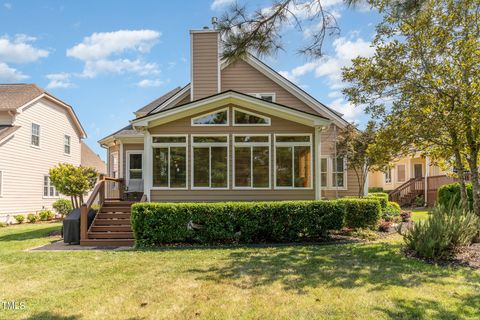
[(252, 161), (170, 162), (246, 118), (215, 118), (293, 161), (210, 161)]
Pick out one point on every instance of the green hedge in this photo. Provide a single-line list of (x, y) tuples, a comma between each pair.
[(449, 195), (393, 210), (362, 212), (375, 189), (379, 196)]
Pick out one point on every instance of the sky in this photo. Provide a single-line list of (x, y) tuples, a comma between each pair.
[(109, 58)]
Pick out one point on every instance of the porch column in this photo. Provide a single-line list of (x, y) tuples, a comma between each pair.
[(318, 155), (427, 174), (147, 163), (120, 162)]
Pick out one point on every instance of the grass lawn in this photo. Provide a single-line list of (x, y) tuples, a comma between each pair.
[(349, 281), (419, 214)]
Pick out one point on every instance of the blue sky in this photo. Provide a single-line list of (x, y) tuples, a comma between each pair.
[(109, 58)]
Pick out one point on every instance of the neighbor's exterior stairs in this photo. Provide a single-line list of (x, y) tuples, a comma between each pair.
[(112, 225)]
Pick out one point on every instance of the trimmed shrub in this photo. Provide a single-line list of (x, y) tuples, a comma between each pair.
[(46, 215), (446, 229), (381, 196), (362, 212), (20, 218), (63, 207), (375, 189), (33, 218), (449, 194), (243, 222), (391, 211)]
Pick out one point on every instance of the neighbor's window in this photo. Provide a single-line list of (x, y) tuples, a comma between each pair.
[(35, 135), (241, 117), (210, 161), (293, 161), (252, 161), (338, 172), (215, 118), (170, 162), (323, 172), (388, 176), (48, 188), (66, 144), (401, 173)]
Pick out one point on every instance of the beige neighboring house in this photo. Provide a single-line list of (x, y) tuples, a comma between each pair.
[(37, 131), (238, 131), (90, 159)]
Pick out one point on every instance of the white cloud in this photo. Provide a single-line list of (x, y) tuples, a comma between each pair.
[(349, 111), (7, 5), (98, 50), (8, 74), (59, 80), (19, 50), (145, 83), (218, 4)]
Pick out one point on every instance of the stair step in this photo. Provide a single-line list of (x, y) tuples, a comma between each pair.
[(115, 209), (103, 215), (113, 228), (108, 242), (100, 222), (111, 235), (118, 203)]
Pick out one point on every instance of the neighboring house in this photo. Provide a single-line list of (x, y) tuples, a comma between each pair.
[(91, 159), (237, 131), (37, 131)]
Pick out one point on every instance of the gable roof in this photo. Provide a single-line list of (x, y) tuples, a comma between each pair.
[(7, 130), (91, 159), (155, 103), (16, 96)]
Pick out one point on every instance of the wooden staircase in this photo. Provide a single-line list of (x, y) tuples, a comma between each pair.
[(111, 226), (406, 194)]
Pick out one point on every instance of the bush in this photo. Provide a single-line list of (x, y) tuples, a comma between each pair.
[(446, 229), (63, 207), (362, 212), (384, 226), (3, 224), (20, 218), (33, 218), (450, 194), (381, 196), (46, 215), (406, 216), (391, 211), (244, 222), (375, 189)]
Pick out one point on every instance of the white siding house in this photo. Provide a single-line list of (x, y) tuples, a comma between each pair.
[(38, 133)]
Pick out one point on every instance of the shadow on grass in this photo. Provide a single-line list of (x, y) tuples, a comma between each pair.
[(30, 234), (51, 316)]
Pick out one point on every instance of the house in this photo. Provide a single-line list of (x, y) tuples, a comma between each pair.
[(37, 131), (237, 131), (88, 158)]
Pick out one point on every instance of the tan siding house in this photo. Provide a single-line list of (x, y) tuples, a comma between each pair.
[(237, 131)]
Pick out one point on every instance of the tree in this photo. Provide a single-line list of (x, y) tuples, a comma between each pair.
[(73, 181), (362, 152), (423, 81), (261, 31)]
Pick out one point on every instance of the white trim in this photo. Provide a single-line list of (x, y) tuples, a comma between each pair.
[(177, 95), (121, 174), (333, 171), (251, 145), (293, 145), (69, 144), (169, 145), (33, 135), (211, 124), (49, 185), (267, 119), (259, 95), (209, 145), (385, 176), (147, 162), (127, 165)]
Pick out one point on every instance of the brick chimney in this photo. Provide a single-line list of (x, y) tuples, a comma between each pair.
[(205, 63)]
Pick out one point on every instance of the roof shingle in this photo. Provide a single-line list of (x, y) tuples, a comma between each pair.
[(13, 96)]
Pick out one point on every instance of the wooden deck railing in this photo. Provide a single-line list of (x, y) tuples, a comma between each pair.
[(414, 185), (98, 194)]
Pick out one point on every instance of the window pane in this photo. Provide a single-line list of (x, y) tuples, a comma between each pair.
[(266, 97), (338, 179), (219, 167), (178, 167), (401, 173), (212, 119), (201, 169), (302, 167), (339, 165), (284, 166), (242, 167), (135, 166), (323, 174), (260, 167), (251, 139), (245, 118), (169, 139), (293, 138), (220, 139), (160, 167)]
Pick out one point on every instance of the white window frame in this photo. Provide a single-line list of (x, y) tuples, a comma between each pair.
[(235, 109), (192, 120), (2, 186), (127, 164), (405, 170), (292, 144), (49, 185), (327, 171), (65, 136), (209, 145), (385, 176), (333, 171), (170, 145), (35, 135), (260, 94), (251, 145)]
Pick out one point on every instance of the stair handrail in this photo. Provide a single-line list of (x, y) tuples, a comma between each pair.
[(406, 185)]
